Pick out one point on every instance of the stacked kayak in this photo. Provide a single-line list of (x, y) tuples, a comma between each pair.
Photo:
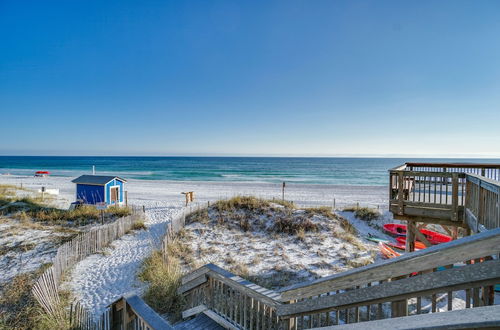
[(386, 251), (400, 244), (418, 245), (433, 237)]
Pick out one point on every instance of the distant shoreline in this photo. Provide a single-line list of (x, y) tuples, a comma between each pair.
[(320, 171), (153, 191)]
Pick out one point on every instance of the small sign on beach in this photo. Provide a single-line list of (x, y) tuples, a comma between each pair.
[(101, 206)]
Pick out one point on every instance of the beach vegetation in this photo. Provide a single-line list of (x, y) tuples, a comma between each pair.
[(20, 310), (38, 209), (285, 203), (324, 211), (364, 213), (265, 243), (249, 203), (164, 278), (138, 225)]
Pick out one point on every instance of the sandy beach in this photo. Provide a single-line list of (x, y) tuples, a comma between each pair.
[(102, 278), (161, 191)]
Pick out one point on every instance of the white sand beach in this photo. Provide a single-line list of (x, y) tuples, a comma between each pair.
[(163, 191), (100, 279)]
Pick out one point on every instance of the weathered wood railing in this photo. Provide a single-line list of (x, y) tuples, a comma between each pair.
[(490, 171), (478, 318), (131, 312), (482, 206), (416, 283), (400, 286), (423, 191), (229, 300)]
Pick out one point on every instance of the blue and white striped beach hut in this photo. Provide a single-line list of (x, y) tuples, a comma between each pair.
[(96, 189)]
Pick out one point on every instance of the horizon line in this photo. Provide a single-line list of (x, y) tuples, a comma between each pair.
[(430, 156)]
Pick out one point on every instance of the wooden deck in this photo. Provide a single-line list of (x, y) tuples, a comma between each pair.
[(461, 195)]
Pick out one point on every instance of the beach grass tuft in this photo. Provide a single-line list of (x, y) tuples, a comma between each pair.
[(139, 225), (38, 209), (20, 310), (164, 278), (364, 213)]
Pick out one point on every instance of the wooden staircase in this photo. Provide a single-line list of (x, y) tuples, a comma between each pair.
[(394, 288)]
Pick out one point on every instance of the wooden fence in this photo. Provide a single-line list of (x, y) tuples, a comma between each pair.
[(177, 223), (46, 288)]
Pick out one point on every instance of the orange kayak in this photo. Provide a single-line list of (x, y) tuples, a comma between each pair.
[(386, 251), (418, 245)]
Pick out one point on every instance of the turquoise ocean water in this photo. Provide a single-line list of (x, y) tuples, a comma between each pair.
[(342, 171)]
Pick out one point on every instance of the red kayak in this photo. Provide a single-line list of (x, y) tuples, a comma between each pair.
[(432, 236)]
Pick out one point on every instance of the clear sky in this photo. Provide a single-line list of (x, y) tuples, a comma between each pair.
[(250, 78)]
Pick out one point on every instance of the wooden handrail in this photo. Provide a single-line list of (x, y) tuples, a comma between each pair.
[(489, 184), (253, 290), (472, 247), (460, 278), (229, 299), (476, 318), (482, 204), (453, 165), (142, 315)]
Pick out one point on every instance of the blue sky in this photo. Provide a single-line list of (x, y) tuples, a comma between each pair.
[(323, 78)]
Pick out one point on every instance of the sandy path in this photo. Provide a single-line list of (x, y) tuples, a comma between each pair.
[(100, 279)]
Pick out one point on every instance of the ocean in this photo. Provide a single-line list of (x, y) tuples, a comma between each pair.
[(339, 171)]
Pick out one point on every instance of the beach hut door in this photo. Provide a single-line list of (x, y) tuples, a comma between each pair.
[(114, 194)]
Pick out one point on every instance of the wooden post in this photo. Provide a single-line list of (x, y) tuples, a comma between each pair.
[(143, 209), (454, 197), (102, 217), (410, 236), (400, 193), (283, 192), (126, 197)]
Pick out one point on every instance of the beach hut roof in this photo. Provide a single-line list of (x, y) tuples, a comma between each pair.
[(96, 179)]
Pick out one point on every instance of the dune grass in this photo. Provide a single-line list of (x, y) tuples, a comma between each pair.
[(164, 278), (364, 213), (241, 202), (37, 209), (19, 309)]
